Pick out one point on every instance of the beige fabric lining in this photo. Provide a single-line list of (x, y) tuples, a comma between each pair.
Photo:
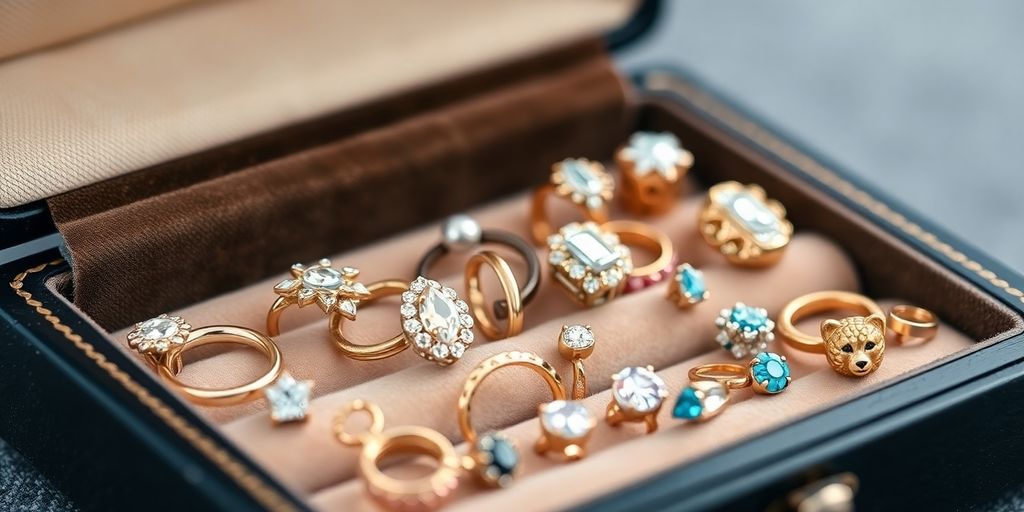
[(194, 78)]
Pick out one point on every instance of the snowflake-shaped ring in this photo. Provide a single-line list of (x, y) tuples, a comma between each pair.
[(332, 289), (652, 166)]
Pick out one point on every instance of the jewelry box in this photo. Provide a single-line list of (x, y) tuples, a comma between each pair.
[(177, 154)]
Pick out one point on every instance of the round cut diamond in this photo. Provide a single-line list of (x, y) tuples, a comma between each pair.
[(577, 271), (322, 277), (566, 419), (638, 389), (418, 285), (439, 315), (590, 285), (556, 257), (466, 336), (412, 325), (457, 349), (408, 310), (423, 340), (440, 351), (467, 321), (158, 328), (578, 337), (654, 152)]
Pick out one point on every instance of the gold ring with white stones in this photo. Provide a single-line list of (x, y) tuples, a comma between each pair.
[(334, 290), (584, 183)]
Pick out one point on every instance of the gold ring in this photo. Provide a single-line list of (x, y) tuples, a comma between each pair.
[(911, 323), (854, 346), (435, 323), (583, 182), (163, 340), (424, 493), (637, 396), (744, 225), (644, 235), (589, 262), (687, 288), (576, 343), (333, 290), (767, 373), (652, 166), (478, 306)]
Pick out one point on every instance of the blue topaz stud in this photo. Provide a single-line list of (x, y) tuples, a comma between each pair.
[(701, 401), (687, 287), (744, 330)]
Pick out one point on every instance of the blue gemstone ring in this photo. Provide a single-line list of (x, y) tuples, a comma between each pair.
[(687, 287), (701, 401), (744, 330), (767, 374)]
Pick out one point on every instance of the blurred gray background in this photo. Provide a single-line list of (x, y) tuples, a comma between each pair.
[(922, 97)]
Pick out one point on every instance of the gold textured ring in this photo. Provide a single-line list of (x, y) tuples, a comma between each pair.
[(854, 346), (747, 227), (332, 290), (424, 493), (644, 235), (163, 340), (435, 323), (767, 373), (912, 323), (513, 303), (652, 166), (583, 182)]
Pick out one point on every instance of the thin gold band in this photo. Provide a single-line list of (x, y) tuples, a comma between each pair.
[(171, 364), (731, 375), (513, 297), (912, 323), (376, 351)]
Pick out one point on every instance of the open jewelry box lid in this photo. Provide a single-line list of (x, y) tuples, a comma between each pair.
[(87, 98)]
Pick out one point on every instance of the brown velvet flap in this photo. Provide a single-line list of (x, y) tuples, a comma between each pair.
[(162, 238)]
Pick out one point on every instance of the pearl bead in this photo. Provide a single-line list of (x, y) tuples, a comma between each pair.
[(460, 233)]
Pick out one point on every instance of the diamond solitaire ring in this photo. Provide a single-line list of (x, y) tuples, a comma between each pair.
[(576, 343), (163, 340), (578, 180), (460, 234), (744, 225), (334, 290), (637, 395), (435, 323), (652, 166), (492, 457)]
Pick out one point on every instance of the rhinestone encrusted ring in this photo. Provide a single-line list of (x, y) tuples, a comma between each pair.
[(580, 181), (331, 289), (589, 262), (744, 330)]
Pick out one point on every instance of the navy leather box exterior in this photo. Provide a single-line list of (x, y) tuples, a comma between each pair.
[(109, 436)]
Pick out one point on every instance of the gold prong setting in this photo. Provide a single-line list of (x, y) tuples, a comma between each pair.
[(332, 289), (159, 334)]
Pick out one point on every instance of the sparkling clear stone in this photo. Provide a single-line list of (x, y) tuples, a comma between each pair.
[(566, 419), (639, 389), (412, 325), (158, 328), (754, 216), (408, 310), (322, 277), (440, 351), (458, 349), (439, 315), (714, 398), (409, 296), (423, 340), (418, 285), (348, 306), (466, 321), (578, 337), (590, 285), (581, 178), (654, 152), (555, 239), (462, 306), (577, 271), (286, 285), (450, 293), (588, 247), (466, 336), (556, 257), (360, 288), (289, 399), (612, 277)]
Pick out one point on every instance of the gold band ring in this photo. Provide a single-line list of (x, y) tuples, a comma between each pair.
[(819, 302), (384, 349), (911, 323), (513, 298), (644, 235), (333, 290), (427, 492), (731, 375), (576, 343), (586, 184)]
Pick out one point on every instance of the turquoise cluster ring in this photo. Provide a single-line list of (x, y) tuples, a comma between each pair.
[(744, 330)]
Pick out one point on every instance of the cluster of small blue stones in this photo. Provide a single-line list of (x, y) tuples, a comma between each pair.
[(771, 371), (500, 458), (691, 283), (744, 330)]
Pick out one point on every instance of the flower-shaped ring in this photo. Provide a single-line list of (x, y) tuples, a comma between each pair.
[(652, 166), (584, 183), (332, 289)]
